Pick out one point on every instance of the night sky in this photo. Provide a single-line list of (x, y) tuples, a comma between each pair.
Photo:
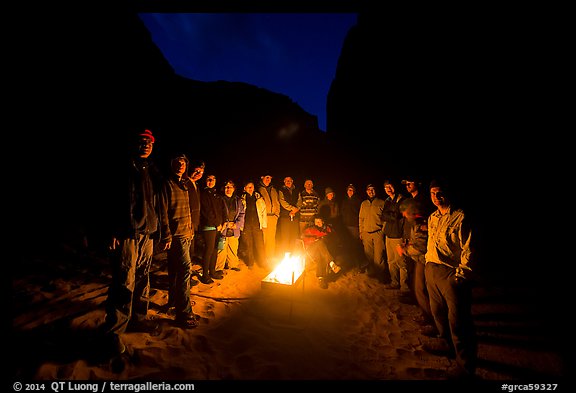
[(294, 54)]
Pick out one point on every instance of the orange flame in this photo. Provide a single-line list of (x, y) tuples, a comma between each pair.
[(288, 271)]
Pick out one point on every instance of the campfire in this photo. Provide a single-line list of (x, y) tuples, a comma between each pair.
[(288, 271)]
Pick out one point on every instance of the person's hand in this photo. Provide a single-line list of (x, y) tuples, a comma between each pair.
[(460, 274), (165, 245), (113, 244)]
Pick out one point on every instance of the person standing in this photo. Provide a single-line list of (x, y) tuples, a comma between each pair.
[(370, 227), (196, 171), (414, 188), (212, 217), (270, 195), (394, 236), (414, 247), (309, 200), (135, 220), (329, 209), (288, 222), (449, 268), (255, 219), (234, 223), (178, 231), (350, 212)]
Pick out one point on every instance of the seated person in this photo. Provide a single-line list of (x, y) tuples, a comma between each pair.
[(317, 240)]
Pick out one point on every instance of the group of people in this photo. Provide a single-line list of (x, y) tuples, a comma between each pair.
[(416, 243)]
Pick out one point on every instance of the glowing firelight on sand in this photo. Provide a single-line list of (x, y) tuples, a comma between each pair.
[(288, 270)]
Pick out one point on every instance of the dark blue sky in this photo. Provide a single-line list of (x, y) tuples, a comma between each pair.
[(294, 54)]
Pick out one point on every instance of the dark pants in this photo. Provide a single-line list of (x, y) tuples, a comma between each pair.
[(252, 242), (420, 290), (130, 287), (320, 254), (179, 273), (288, 233), (451, 307), (210, 252)]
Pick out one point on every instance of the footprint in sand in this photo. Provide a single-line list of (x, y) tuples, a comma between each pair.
[(203, 344), (209, 309)]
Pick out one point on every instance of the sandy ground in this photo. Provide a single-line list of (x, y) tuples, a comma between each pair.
[(354, 330)]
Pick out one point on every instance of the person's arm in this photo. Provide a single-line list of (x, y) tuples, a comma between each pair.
[(166, 240), (464, 269)]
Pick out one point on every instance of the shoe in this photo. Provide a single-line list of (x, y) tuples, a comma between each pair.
[(236, 269), (335, 268), (194, 282), (147, 326), (187, 322), (217, 275), (205, 279), (323, 283)]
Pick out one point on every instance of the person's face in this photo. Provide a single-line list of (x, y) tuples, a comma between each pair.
[(319, 222), (266, 180), (411, 186), (229, 189), (330, 196), (249, 188), (197, 174), (145, 146), (288, 181), (179, 166), (371, 192), (211, 181), (389, 189), (350, 192), (308, 185), (438, 197)]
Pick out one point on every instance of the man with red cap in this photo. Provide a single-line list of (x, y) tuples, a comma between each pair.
[(135, 218)]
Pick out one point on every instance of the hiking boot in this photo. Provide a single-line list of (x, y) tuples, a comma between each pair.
[(322, 283), (187, 322), (217, 275), (205, 279)]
